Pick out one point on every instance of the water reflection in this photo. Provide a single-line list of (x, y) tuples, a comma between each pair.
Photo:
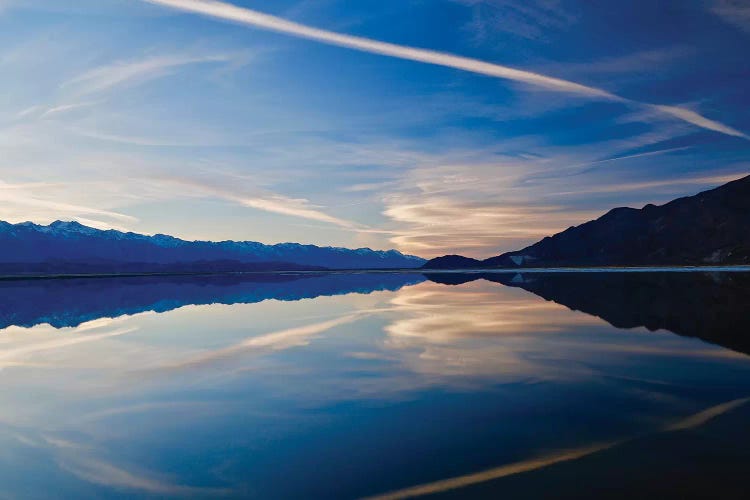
[(710, 306), (346, 386), (478, 331), (70, 302)]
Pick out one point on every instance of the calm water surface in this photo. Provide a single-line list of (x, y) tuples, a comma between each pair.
[(350, 386)]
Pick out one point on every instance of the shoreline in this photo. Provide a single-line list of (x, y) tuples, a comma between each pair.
[(530, 270)]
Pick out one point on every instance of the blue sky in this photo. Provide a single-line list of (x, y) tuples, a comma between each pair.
[(512, 119)]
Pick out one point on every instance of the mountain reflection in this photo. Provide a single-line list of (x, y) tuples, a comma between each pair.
[(408, 386), (71, 302), (710, 306)]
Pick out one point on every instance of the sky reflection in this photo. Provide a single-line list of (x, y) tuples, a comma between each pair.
[(347, 394)]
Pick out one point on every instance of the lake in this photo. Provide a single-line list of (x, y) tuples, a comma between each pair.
[(387, 385)]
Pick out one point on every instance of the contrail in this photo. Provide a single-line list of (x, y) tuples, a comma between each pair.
[(229, 12)]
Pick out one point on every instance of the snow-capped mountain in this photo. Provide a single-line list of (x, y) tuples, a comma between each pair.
[(73, 242)]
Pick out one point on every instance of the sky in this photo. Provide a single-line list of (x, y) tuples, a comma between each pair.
[(432, 127)]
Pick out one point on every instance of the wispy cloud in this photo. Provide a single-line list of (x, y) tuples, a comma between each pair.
[(262, 200), (257, 19), (97, 83), (638, 155), (528, 19), (30, 111), (432, 225), (295, 207), (20, 203), (703, 180), (637, 62), (132, 72), (478, 209), (735, 12), (64, 108), (691, 116), (242, 15)]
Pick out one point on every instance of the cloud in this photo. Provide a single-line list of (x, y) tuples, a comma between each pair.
[(63, 108), (430, 225), (698, 120), (370, 186), (19, 203), (29, 111), (145, 140), (242, 15), (477, 209), (496, 201), (636, 63), (257, 19), (267, 202), (734, 12), (704, 180), (638, 155), (529, 19), (295, 207), (131, 72)]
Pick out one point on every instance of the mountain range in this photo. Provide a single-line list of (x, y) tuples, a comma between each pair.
[(710, 228), (71, 247)]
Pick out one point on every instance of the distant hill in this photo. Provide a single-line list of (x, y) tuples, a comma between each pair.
[(73, 247), (710, 228), (453, 262)]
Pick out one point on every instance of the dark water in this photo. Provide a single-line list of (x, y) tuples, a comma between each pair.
[(592, 385)]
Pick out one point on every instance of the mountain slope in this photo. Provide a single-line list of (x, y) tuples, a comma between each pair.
[(712, 227), (71, 243), (453, 262)]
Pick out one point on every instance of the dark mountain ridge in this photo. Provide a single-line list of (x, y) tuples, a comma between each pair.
[(710, 228), (71, 246)]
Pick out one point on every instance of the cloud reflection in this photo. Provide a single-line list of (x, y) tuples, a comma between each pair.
[(188, 371), (83, 461), (18, 356), (533, 464), (274, 341), (476, 329)]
